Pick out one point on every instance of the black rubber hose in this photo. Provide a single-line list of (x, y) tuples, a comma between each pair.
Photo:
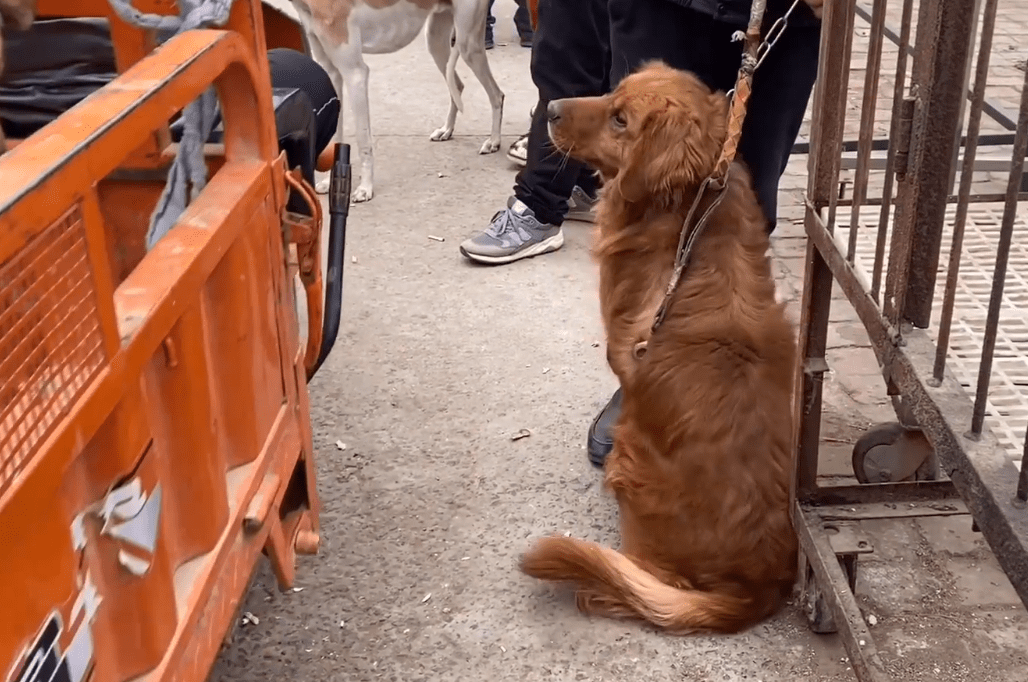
[(338, 211)]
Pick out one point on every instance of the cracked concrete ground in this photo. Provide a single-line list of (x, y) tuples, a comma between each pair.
[(430, 501)]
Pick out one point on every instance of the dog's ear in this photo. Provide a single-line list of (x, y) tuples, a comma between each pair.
[(673, 153)]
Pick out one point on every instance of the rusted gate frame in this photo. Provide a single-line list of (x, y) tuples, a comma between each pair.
[(913, 366), (992, 109)]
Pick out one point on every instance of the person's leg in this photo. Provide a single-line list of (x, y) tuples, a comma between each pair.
[(659, 29), (490, 20), (781, 90), (523, 22), (570, 58), (293, 69), (644, 30)]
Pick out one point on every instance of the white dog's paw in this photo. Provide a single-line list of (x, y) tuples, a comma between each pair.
[(321, 186), (490, 146), (442, 134), (361, 194)]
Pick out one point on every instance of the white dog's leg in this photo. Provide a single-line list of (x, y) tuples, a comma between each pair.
[(350, 62), (469, 20), (438, 33)]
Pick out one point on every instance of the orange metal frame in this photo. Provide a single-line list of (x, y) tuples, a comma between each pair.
[(154, 419)]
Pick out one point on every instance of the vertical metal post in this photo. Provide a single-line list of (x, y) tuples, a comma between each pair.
[(868, 107), (823, 169), (945, 324), (999, 276), (898, 107), (940, 66), (968, 69)]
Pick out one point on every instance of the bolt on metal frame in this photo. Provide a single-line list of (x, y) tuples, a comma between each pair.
[(911, 336)]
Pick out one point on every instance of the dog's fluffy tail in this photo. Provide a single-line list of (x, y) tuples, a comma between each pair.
[(451, 73), (613, 585)]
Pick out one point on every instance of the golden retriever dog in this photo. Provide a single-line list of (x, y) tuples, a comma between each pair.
[(702, 449)]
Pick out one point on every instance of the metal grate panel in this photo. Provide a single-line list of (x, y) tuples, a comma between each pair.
[(51, 344), (1007, 404)]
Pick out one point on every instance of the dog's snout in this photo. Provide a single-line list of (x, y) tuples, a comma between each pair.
[(553, 110)]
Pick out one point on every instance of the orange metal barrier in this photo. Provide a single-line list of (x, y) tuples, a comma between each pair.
[(154, 421)]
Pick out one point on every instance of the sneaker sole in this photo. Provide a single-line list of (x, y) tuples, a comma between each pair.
[(581, 216), (517, 160), (545, 246)]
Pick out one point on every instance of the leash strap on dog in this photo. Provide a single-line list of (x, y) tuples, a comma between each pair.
[(753, 56)]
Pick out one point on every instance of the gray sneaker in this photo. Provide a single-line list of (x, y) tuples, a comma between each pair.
[(513, 234), (581, 205)]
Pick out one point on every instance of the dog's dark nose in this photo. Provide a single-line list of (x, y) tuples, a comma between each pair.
[(553, 110)]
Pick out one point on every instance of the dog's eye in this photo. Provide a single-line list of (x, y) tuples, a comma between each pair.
[(618, 119)]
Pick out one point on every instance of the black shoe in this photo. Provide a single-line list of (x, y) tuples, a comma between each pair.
[(526, 41), (489, 43), (601, 437)]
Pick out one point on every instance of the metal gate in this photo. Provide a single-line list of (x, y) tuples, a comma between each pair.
[(936, 277)]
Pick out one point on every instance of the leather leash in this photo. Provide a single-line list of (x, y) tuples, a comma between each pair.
[(753, 56)]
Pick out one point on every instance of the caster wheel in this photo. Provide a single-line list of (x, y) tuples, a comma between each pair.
[(891, 452)]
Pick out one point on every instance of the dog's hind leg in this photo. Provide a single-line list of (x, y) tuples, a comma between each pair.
[(438, 35), (469, 22)]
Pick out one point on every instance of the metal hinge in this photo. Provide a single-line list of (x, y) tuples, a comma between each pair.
[(903, 133)]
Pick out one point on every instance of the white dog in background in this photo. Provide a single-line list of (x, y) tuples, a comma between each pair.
[(340, 32)]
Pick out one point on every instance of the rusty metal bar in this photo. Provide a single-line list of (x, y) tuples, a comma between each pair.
[(881, 333), (994, 110), (835, 588), (972, 32), (987, 165), (890, 164), (981, 473), (944, 40), (839, 124), (964, 193), (999, 277), (989, 198), (881, 144), (823, 172), (867, 122), (882, 493), (866, 511)]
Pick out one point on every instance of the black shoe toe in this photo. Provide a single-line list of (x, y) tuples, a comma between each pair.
[(601, 437)]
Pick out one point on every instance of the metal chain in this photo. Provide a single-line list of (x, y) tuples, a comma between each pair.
[(773, 34)]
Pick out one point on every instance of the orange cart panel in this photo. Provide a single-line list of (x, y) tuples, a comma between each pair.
[(154, 423)]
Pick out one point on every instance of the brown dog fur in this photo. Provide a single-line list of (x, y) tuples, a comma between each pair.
[(702, 449)]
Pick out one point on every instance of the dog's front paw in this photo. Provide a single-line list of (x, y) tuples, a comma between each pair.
[(442, 134), (321, 186), (361, 194), (490, 146)]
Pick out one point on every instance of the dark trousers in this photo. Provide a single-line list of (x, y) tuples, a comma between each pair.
[(570, 58), (292, 69), (522, 20), (641, 30)]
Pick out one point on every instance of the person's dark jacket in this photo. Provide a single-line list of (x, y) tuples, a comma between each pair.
[(737, 12)]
